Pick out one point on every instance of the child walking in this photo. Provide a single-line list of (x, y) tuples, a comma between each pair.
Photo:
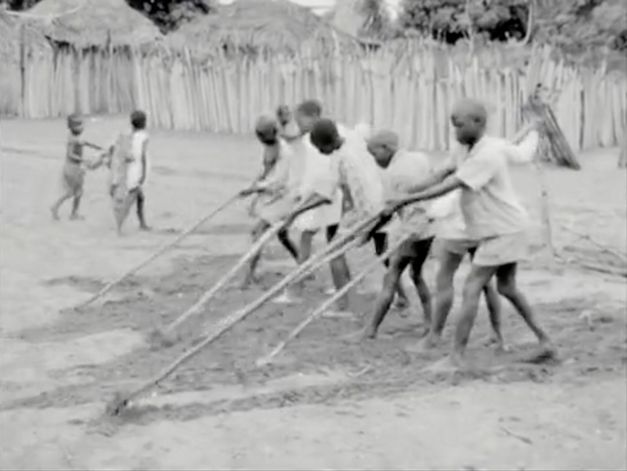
[(73, 177)]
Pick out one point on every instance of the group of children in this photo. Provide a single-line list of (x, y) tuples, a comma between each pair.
[(315, 169), (126, 159)]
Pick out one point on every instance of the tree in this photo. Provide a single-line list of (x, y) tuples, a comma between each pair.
[(451, 20), (170, 14), (377, 22)]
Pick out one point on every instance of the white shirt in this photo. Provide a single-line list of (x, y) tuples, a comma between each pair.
[(134, 169), (405, 170), (448, 207), (354, 167)]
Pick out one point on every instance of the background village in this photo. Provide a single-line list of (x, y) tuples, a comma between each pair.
[(204, 72)]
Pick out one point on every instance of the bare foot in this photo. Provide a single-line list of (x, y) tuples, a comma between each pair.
[(498, 344), (401, 303), (430, 342), (55, 214), (77, 217), (545, 352), (249, 280), (145, 228)]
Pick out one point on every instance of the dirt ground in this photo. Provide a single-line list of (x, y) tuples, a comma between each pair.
[(325, 403)]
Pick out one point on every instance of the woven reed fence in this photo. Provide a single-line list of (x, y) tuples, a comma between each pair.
[(410, 92)]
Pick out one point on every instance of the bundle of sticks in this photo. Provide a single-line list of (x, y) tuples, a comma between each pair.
[(554, 146)]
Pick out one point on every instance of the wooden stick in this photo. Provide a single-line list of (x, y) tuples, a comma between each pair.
[(120, 402), (211, 292), (159, 252), (324, 306)]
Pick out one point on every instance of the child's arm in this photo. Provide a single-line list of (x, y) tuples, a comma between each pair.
[(144, 162), (91, 145)]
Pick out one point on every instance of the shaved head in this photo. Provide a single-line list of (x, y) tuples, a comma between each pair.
[(267, 130), (469, 118), (325, 136), (383, 145)]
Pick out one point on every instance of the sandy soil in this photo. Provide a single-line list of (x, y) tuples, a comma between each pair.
[(325, 403)]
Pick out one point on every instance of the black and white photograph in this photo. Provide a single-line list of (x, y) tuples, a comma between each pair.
[(313, 235)]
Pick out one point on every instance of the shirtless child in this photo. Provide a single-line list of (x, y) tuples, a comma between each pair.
[(73, 177), (276, 196), (494, 218)]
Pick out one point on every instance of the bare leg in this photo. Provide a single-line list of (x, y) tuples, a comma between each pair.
[(55, 207), (260, 228), (76, 205), (398, 263), (473, 287), (506, 285), (493, 302), (339, 271), (421, 252), (141, 200), (449, 263), (285, 240), (380, 241)]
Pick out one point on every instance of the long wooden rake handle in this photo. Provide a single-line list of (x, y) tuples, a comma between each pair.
[(324, 306), (228, 322), (211, 292), (159, 252)]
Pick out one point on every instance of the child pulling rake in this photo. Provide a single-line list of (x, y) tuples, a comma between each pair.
[(333, 250)]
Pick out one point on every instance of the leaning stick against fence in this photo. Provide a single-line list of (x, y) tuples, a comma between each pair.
[(324, 306), (159, 252), (120, 401)]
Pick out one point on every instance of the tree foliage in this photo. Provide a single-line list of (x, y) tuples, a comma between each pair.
[(166, 14), (451, 20), (377, 22), (579, 26), (170, 14), (575, 26)]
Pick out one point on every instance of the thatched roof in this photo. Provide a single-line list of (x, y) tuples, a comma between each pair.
[(11, 33), (346, 16), (85, 23), (271, 25)]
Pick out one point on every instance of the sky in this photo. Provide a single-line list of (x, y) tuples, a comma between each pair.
[(320, 6)]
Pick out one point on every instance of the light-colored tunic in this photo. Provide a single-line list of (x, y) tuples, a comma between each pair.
[(451, 224), (135, 165), (405, 171)]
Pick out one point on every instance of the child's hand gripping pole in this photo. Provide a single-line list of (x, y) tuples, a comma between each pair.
[(159, 252), (324, 306), (121, 401)]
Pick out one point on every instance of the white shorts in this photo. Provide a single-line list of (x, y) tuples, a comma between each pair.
[(322, 216)]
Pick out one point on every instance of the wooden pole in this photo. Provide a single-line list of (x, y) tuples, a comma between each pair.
[(121, 401), (324, 306), (211, 292), (159, 252)]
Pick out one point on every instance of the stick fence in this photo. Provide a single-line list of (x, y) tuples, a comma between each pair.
[(409, 90)]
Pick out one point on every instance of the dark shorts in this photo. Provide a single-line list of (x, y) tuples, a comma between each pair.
[(415, 248)]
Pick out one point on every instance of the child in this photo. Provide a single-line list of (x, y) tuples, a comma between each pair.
[(494, 219), (73, 176), (276, 194), (349, 166), (128, 161)]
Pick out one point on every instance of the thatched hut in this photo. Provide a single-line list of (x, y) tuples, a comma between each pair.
[(94, 23), (258, 26), (17, 34)]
